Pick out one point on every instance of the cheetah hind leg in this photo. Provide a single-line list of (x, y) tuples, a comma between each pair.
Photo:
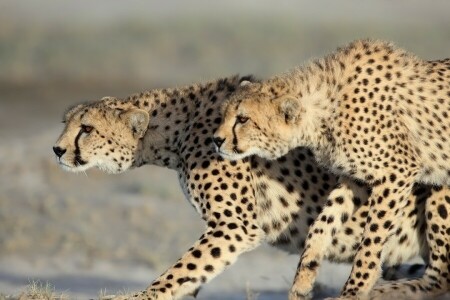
[(338, 208), (425, 288), (436, 280)]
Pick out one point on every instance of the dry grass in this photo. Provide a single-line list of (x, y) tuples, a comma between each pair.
[(38, 290), (120, 295), (250, 294)]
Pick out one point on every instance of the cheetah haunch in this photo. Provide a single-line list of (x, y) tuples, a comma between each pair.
[(243, 203), (369, 111)]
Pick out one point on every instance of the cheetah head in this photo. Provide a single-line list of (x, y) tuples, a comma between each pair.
[(256, 123), (100, 135)]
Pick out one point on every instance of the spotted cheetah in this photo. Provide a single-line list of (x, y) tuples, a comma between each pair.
[(243, 203), (369, 111)]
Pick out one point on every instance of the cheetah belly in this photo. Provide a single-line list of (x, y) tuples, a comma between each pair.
[(289, 234)]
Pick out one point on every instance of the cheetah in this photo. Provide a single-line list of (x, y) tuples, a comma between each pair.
[(243, 203), (369, 111)]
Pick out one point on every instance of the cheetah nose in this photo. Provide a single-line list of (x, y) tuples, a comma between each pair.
[(59, 151), (218, 141)]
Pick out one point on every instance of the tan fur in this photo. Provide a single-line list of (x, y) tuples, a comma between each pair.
[(243, 203), (370, 111)]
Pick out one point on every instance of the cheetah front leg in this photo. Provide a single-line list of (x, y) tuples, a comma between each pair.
[(436, 280), (216, 249), (338, 208), (386, 202)]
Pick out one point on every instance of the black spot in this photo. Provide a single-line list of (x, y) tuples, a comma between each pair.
[(392, 177), (209, 268), (392, 204), (312, 265), (381, 214), (215, 252), (442, 211), (340, 200), (435, 228), (218, 234), (387, 224), (197, 253), (374, 227), (232, 226)]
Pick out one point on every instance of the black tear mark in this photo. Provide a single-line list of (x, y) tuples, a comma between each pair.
[(78, 160)]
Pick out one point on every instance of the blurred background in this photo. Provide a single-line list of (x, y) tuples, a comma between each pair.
[(94, 234)]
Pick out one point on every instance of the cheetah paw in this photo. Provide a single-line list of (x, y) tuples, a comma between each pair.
[(304, 283), (296, 296), (347, 298), (144, 295)]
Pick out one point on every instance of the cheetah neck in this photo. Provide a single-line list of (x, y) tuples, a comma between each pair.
[(174, 115), (169, 111), (316, 87)]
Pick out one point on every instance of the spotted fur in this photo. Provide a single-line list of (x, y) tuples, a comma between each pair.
[(369, 111), (243, 203)]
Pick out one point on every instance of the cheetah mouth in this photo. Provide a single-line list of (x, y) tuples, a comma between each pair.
[(237, 151), (70, 168), (234, 156), (64, 164), (79, 161), (224, 154), (67, 167), (227, 156)]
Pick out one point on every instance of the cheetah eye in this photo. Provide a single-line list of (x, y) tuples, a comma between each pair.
[(241, 119), (86, 128)]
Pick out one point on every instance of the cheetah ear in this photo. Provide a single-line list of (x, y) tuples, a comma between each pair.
[(137, 120), (290, 108), (245, 83), (106, 98)]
